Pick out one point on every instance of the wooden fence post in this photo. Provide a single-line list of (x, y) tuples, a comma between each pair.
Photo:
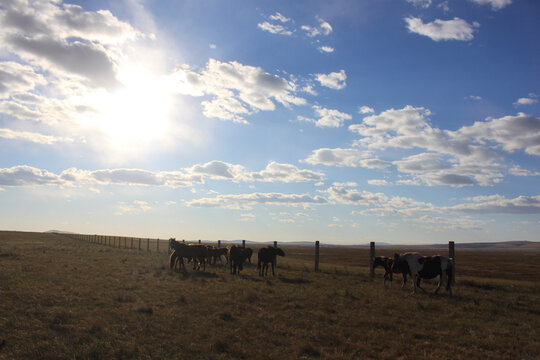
[(219, 243), (132, 243), (139, 244), (157, 242), (451, 254), (275, 257), (199, 241), (371, 258), (317, 256), (243, 244), (147, 244)]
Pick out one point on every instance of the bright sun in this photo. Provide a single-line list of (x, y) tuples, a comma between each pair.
[(138, 112)]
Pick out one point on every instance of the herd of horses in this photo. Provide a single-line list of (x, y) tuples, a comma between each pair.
[(235, 256), (418, 267)]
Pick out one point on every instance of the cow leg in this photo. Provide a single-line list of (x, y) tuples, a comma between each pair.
[(404, 280), (439, 284), (418, 280)]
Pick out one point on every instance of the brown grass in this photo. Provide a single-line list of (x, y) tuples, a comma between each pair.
[(68, 299)]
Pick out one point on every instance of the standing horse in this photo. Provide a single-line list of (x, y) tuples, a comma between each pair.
[(389, 269), (267, 255), (198, 253), (427, 267)]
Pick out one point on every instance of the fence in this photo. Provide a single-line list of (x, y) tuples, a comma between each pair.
[(148, 244)]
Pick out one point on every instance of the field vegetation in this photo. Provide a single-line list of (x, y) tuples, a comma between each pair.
[(63, 298)]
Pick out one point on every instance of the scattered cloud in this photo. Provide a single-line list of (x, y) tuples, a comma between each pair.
[(531, 99), (420, 3), (135, 207), (327, 117), (279, 17), (247, 201), (274, 28), (474, 97), (326, 49), (345, 157), (495, 4), (470, 155), (365, 110), (187, 177), (334, 80), (323, 28), (236, 89), (32, 137), (455, 29)]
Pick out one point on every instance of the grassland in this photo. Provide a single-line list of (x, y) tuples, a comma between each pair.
[(62, 298)]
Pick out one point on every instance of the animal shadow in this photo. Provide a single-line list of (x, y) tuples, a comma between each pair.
[(294, 281)]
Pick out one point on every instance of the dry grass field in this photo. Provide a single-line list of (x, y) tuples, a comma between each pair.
[(62, 298)]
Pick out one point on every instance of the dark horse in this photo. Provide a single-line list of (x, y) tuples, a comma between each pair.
[(389, 269), (198, 253), (427, 267), (267, 255), (237, 257)]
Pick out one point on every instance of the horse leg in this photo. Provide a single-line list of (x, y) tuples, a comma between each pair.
[(441, 278)]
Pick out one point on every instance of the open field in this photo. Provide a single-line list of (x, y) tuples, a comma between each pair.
[(68, 299)]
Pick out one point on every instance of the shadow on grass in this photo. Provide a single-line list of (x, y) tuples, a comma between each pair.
[(294, 281), (196, 274)]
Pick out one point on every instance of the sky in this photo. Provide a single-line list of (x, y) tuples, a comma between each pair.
[(398, 121)]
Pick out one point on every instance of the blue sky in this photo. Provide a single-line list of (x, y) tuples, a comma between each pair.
[(404, 121)]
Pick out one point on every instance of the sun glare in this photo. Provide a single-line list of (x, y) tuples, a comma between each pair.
[(138, 112)]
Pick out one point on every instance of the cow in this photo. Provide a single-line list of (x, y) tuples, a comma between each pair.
[(427, 267), (267, 255)]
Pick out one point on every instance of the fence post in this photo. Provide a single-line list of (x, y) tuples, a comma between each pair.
[(199, 241), (157, 242), (219, 243), (451, 254), (275, 257), (371, 258), (243, 244), (139, 244), (317, 256), (147, 244), (131, 243)]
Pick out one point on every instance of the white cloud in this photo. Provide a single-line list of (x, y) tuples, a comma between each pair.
[(274, 28), (378, 182), (215, 170), (324, 28), (365, 110), (32, 137), (17, 78), (498, 204), (327, 117), (420, 3), (455, 29), (531, 99), (345, 157), (27, 176), (516, 170), (326, 49), (495, 4), (279, 17), (474, 97), (334, 80), (237, 89), (247, 201), (135, 207)]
